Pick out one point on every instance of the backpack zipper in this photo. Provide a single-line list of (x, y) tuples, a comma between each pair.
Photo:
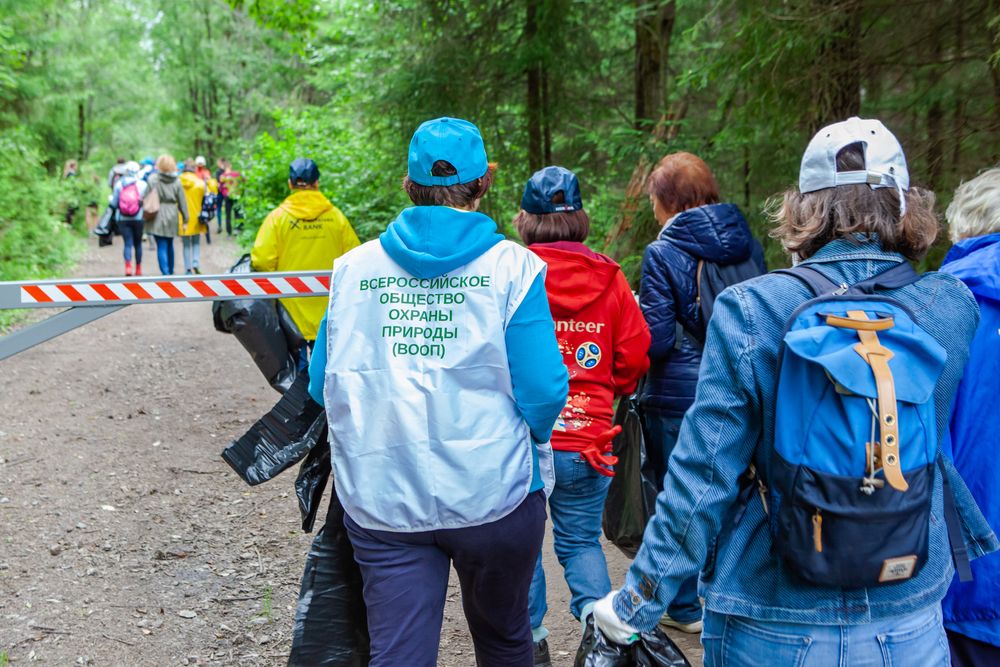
[(818, 531)]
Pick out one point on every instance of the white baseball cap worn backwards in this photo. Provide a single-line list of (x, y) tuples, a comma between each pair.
[(885, 164)]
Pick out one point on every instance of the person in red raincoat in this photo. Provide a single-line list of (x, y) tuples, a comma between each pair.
[(604, 340)]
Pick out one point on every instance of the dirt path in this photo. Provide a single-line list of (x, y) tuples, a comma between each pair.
[(126, 539)]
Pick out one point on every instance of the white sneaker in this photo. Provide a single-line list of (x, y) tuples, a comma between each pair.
[(692, 628)]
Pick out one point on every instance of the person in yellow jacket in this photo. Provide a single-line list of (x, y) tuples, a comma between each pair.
[(305, 233), (190, 233)]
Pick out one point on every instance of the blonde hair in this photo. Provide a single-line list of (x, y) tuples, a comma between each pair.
[(975, 210), (166, 164)]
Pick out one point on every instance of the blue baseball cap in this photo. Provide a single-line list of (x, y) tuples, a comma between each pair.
[(303, 170), (453, 140), (543, 186)]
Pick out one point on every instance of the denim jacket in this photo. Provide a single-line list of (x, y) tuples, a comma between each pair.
[(731, 423)]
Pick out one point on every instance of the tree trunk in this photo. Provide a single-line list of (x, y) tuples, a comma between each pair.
[(534, 73), (546, 118), (654, 25), (958, 125), (635, 225), (81, 118), (935, 122), (836, 74)]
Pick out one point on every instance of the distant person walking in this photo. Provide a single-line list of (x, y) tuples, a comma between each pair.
[(306, 232), (173, 204), (220, 167), (230, 182), (116, 172), (127, 198), (192, 226), (201, 168), (972, 610)]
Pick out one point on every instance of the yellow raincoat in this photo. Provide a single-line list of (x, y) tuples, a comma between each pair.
[(305, 233), (194, 193)]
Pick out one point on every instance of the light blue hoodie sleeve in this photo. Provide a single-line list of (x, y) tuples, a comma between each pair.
[(537, 372), (317, 364)]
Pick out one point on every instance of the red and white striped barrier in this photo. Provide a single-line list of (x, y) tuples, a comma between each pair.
[(157, 289)]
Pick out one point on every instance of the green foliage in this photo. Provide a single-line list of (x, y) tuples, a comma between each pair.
[(34, 241), (360, 181)]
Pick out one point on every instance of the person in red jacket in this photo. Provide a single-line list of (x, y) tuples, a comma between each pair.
[(604, 340)]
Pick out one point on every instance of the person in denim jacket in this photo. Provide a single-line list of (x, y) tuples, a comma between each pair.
[(755, 607)]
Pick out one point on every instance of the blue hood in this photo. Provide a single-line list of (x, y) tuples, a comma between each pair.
[(716, 233), (429, 241), (976, 262)]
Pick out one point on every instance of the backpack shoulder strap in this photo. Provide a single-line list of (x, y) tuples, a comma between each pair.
[(898, 276), (812, 278), (959, 553)]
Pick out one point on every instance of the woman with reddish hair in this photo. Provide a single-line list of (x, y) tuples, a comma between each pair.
[(696, 229)]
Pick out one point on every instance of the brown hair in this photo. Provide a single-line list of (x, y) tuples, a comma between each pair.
[(681, 181), (551, 227), (807, 222), (460, 195), (166, 164)]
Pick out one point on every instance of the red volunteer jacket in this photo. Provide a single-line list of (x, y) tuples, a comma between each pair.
[(602, 335)]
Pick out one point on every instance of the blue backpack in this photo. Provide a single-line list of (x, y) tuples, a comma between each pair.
[(851, 475)]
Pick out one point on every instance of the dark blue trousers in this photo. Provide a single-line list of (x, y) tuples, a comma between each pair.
[(969, 652), (406, 581)]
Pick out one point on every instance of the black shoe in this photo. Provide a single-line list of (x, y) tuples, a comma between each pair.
[(542, 658)]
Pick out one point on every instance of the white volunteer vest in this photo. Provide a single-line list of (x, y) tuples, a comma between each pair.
[(424, 431)]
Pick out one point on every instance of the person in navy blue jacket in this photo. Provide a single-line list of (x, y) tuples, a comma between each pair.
[(696, 228), (972, 610)]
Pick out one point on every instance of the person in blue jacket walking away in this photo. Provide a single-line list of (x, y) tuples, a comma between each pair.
[(697, 228), (853, 218), (442, 379), (972, 610)]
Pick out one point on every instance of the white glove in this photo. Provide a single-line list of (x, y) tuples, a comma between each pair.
[(609, 624)]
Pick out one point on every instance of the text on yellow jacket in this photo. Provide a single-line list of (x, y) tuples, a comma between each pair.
[(305, 233)]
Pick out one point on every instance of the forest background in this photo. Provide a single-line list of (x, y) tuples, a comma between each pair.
[(604, 88)]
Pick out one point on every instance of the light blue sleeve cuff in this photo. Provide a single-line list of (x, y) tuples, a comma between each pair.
[(317, 364)]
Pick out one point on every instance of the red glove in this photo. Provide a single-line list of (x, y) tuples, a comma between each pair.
[(594, 453)]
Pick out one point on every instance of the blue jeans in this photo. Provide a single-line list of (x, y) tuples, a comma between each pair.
[(165, 254), (132, 237), (192, 252), (911, 640), (662, 430), (576, 506)]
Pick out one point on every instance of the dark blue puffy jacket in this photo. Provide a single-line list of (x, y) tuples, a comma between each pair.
[(668, 295)]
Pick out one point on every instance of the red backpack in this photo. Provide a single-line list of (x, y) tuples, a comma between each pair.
[(129, 200)]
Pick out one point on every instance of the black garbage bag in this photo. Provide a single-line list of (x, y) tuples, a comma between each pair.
[(281, 438), (331, 624), (631, 497), (105, 228), (262, 329), (652, 649), (313, 474)]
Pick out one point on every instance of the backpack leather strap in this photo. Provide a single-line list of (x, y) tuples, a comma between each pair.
[(877, 356)]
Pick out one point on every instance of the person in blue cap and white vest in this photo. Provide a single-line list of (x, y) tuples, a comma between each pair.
[(438, 366), (853, 217)]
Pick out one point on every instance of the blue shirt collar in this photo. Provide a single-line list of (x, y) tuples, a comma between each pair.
[(863, 246)]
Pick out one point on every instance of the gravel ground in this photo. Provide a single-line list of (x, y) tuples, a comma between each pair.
[(126, 539)]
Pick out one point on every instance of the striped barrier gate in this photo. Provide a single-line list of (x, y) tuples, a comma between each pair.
[(88, 299)]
